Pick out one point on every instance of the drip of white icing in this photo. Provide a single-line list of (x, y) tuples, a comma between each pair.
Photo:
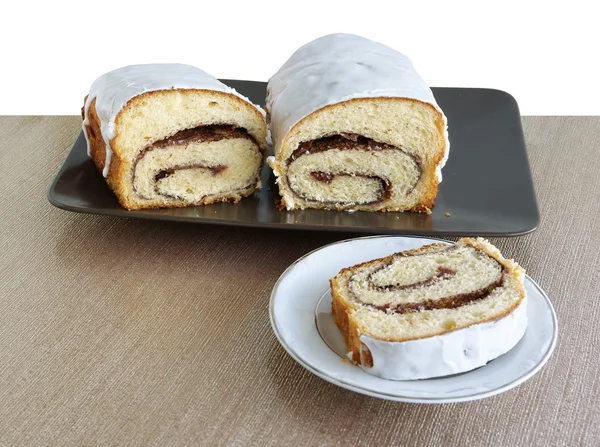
[(337, 68), (451, 353), (115, 89)]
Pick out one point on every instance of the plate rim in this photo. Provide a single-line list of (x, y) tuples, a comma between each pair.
[(395, 397)]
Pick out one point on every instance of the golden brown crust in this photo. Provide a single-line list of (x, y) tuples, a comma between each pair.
[(94, 136), (98, 154), (351, 330), (341, 310), (428, 201), (117, 171)]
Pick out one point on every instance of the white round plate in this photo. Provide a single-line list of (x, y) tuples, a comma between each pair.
[(300, 312)]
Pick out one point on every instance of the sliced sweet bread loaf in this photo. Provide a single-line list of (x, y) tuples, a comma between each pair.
[(355, 127), (433, 311), (171, 135)]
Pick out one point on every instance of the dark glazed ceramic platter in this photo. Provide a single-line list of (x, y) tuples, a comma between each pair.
[(487, 187)]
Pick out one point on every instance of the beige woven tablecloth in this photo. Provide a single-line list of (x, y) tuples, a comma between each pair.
[(118, 331)]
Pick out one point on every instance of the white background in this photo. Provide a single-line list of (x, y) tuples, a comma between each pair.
[(545, 54)]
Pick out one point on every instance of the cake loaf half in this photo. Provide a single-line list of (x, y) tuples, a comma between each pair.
[(171, 135), (354, 127), (430, 312)]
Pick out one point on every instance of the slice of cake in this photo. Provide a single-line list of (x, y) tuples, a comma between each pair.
[(171, 135), (355, 127), (434, 311)]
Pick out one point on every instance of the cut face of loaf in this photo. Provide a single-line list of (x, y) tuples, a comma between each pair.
[(365, 154), (355, 128), (429, 312), (160, 146)]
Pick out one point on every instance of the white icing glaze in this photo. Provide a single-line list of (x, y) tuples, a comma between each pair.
[(337, 68), (116, 88), (451, 353)]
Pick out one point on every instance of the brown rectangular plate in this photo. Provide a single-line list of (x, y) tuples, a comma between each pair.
[(487, 186)]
